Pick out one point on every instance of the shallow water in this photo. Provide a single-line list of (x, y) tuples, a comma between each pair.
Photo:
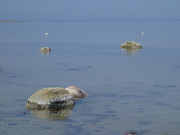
[(127, 91)]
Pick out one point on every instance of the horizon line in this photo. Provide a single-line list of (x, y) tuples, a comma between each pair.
[(56, 20)]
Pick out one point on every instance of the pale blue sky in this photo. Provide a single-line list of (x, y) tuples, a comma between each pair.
[(89, 9)]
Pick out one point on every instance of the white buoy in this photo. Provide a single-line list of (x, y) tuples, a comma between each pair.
[(142, 33), (46, 33)]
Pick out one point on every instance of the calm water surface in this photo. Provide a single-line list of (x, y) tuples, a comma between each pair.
[(135, 91)]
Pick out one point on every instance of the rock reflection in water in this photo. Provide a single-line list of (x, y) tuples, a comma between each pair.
[(130, 51), (45, 53), (52, 114)]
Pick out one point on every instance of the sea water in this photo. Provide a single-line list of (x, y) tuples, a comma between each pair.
[(128, 90)]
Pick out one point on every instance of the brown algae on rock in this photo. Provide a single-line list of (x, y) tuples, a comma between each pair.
[(131, 45)]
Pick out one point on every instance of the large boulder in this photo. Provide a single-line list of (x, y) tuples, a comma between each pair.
[(55, 97)]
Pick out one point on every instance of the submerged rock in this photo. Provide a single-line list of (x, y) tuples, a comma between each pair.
[(130, 133), (45, 50), (131, 45), (55, 97)]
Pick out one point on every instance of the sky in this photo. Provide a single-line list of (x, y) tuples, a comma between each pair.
[(89, 10)]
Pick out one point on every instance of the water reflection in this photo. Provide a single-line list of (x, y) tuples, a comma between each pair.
[(130, 51), (45, 53), (51, 114)]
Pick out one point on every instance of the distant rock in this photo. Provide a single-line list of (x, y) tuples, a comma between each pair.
[(45, 50), (131, 45)]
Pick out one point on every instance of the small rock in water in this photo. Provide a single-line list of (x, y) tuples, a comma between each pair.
[(131, 133), (45, 50), (131, 45)]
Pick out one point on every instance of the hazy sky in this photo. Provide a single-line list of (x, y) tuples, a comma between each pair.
[(89, 9)]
